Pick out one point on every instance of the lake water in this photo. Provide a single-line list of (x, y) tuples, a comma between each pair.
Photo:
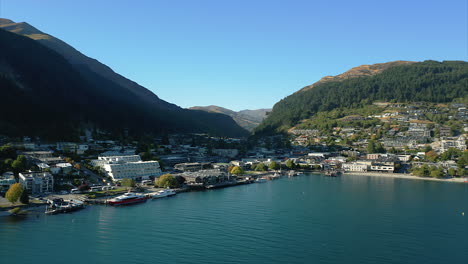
[(306, 219)]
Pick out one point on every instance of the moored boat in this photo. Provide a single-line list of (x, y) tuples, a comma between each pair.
[(260, 180), (60, 205), (127, 198), (164, 193)]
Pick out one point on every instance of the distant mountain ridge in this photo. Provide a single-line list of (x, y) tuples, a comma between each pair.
[(49, 78), (398, 81), (248, 119)]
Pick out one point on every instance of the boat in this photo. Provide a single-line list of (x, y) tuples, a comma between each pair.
[(127, 198), (163, 193), (60, 205), (260, 180)]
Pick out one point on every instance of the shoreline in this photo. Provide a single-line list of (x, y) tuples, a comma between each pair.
[(403, 176)]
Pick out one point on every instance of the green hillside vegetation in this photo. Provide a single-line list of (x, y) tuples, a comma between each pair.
[(428, 81)]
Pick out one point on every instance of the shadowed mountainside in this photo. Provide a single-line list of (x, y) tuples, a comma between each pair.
[(52, 90)]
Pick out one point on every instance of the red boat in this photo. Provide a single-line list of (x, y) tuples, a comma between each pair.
[(127, 198)]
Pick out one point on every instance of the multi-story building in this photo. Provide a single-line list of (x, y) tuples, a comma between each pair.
[(37, 182), (383, 167), (354, 166), (140, 170), (121, 167), (453, 142)]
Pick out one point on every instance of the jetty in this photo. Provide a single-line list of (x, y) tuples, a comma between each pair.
[(59, 205)]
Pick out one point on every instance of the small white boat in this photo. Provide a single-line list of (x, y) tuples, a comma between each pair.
[(164, 193), (260, 180)]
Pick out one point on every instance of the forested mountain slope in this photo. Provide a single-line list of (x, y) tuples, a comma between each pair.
[(429, 81)]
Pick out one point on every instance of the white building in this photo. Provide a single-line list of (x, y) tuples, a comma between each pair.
[(354, 166), (457, 142), (404, 158), (102, 160), (121, 167), (37, 182), (140, 170), (64, 167), (382, 167)]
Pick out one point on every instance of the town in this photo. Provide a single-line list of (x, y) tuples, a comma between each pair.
[(411, 140)]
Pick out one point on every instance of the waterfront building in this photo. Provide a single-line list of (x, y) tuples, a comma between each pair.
[(382, 167), (141, 170), (354, 166), (37, 182), (211, 176), (131, 166)]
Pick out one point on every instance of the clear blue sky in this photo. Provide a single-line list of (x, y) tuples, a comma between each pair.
[(246, 54)]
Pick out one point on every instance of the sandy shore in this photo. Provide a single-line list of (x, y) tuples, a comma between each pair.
[(403, 176)]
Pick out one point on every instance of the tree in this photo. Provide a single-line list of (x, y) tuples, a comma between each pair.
[(261, 167), (14, 192), (127, 182), (431, 155), (166, 180), (19, 164), (463, 160), (7, 151), (24, 198), (237, 170), (371, 146), (290, 164), (436, 172), (452, 172), (274, 165), (77, 166)]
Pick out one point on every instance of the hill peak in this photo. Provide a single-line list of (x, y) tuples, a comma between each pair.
[(21, 28), (359, 71), (4, 21)]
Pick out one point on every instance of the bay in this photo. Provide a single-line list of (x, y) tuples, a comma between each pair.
[(305, 219)]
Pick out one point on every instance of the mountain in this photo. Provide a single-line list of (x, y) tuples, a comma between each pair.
[(360, 71), (247, 119), (52, 90), (399, 81), (81, 61)]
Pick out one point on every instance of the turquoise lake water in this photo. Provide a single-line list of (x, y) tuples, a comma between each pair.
[(305, 219)]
